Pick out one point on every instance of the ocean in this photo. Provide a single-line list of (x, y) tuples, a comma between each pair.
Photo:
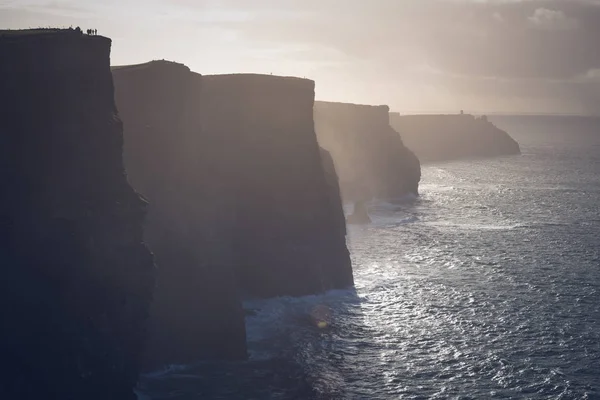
[(487, 286)]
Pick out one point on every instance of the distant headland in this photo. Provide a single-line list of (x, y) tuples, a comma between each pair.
[(445, 137)]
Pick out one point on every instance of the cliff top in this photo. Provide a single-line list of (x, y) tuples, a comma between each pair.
[(258, 79), (164, 64), (35, 31), (433, 116), (339, 106), (252, 85), (244, 75), (22, 34)]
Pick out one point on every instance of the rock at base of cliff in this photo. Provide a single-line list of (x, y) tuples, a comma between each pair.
[(359, 216)]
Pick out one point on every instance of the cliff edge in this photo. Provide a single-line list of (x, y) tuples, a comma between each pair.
[(77, 279), (368, 154), (450, 137)]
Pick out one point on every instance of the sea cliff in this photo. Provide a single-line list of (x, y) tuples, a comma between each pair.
[(177, 164), (77, 279), (450, 137), (289, 240), (368, 154), (240, 203)]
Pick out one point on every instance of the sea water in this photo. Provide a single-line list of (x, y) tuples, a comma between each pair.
[(487, 286)]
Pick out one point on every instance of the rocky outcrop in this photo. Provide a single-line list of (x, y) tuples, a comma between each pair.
[(180, 166), (369, 155), (450, 137), (360, 215), (77, 279), (289, 234)]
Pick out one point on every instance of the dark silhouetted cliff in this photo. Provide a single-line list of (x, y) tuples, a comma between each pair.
[(289, 237), (240, 203), (77, 279), (450, 137), (179, 166), (369, 156)]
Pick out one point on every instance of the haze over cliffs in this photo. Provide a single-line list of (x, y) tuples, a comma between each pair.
[(369, 156), (77, 279), (450, 137), (240, 204)]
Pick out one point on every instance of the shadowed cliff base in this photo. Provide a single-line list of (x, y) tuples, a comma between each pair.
[(239, 200), (450, 137), (368, 154), (77, 278)]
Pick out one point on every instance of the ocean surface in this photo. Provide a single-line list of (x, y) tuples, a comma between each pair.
[(487, 286)]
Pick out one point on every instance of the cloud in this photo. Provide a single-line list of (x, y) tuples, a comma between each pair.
[(544, 18), (468, 49)]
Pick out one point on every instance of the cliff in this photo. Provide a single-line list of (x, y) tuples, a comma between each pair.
[(178, 165), (289, 236), (76, 277), (450, 137), (240, 204), (369, 155), (333, 186)]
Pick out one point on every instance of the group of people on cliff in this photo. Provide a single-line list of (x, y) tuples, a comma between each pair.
[(92, 32)]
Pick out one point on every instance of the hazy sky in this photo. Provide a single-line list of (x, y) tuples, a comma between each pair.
[(415, 55)]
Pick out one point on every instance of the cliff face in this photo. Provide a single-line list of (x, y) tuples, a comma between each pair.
[(333, 185), (178, 165), (289, 236), (239, 200), (369, 155), (449, 137), (77, 279)]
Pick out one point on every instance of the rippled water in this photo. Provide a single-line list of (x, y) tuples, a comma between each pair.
[(487, 286)]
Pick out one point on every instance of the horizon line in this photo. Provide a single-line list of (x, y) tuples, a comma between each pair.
[(497, 113)]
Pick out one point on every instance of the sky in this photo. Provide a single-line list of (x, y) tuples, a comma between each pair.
[(417, 56)]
